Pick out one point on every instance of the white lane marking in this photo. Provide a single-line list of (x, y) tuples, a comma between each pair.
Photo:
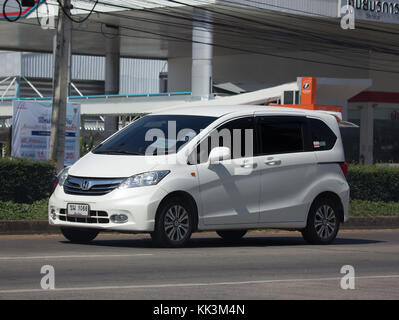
[(170, 285), (86, 256)]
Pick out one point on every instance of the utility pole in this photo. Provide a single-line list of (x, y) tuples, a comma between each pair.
[(62, 63)]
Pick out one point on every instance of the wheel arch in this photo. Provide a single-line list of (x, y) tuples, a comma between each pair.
[(185, 195), (331, 195)]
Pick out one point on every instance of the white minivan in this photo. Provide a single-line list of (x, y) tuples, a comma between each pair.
[(223, 168)]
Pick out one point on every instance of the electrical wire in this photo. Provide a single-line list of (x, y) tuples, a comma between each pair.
[(240, 49), (274, 34), (294, 30), (37, 10), (5, 11), (237, 49), (65, 11), (221, 25)]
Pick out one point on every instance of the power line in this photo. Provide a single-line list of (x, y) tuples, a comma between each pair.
[(70, 16), (251, 51), (5, 11), (278, 37), (309, 36), (177, 40)]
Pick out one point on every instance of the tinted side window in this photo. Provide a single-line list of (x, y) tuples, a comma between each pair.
[(280, 136), (323, 138), (237, 134)]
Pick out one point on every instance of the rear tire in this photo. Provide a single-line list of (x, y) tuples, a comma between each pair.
[(174, 223), (323, 222), (79, 235), (231, 235)]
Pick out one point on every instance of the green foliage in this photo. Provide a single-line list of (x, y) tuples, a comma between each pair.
[(364, 208), (86, 145), (7, 149), (374, 183), (22, 211), (38, 210), (25, 181)]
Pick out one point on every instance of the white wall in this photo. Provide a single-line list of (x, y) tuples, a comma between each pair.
[(10, 64)]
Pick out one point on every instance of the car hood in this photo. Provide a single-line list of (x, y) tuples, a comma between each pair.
[(110, 166)]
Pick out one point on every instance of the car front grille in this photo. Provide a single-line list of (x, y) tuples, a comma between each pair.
[(90, 186), (94, 217)]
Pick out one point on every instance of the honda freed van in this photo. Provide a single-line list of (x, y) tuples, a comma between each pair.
[(222, 168)]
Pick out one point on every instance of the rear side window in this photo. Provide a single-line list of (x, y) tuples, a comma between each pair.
[(323, 138), (280, 136)]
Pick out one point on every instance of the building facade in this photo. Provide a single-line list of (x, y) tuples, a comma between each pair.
[(250, 45)]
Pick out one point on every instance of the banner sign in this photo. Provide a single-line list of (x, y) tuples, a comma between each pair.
[(373, 10), (31, 131), (308, 90)]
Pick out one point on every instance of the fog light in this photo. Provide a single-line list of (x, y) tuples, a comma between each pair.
[(119, 218), (53, 214)]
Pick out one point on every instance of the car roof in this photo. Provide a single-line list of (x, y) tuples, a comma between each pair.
[(221, 110)]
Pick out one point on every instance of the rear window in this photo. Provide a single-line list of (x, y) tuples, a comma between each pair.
[(323, 138), (281, 136)]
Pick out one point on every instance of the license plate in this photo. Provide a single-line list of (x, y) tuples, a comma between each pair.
[(78, 209)]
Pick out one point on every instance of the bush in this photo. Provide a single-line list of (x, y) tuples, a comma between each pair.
[(364, 208), (86, 145), (23, 211), (374, 183), (25, 181), (38, 210)]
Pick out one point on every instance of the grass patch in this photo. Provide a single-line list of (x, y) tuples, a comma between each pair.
[(38, 210), (22, 211), (364, 208)]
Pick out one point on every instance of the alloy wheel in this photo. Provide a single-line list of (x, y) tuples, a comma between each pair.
[(325, 221), (176, 223)]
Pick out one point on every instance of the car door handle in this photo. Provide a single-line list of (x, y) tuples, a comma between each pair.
[(274, 162), (247, 164)]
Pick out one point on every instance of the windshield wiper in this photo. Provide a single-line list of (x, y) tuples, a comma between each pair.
[(117, 152)]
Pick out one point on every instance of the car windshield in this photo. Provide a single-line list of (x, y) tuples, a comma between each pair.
[(155, 135)]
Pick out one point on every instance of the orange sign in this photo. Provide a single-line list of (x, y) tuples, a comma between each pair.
[(308, 90)]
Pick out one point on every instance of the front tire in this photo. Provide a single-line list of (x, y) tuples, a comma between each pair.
[(79, 235), (174, 223), (323, 222), (231, 235)]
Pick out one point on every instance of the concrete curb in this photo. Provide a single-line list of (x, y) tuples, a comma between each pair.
[(372, 223), (11, 227), (18, 227)]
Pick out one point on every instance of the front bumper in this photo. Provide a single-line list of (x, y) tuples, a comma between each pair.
[(139, 204)]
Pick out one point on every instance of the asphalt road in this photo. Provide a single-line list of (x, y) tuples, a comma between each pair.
[(262, 266)]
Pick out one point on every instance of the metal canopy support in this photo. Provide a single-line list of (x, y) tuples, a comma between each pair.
[(8, 87), (33, 87), (112, 72), (202, 52), (366, 133), (76, 89)]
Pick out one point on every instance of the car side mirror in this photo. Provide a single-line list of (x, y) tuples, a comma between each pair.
[(218, 154)]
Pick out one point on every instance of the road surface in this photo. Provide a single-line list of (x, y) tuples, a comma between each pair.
[(264, 265)]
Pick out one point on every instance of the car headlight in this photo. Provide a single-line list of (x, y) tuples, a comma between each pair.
[(144, 179), (62, 176)]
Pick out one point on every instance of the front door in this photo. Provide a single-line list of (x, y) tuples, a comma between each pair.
[(230, 189)]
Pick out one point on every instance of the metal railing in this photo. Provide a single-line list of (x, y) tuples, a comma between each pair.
[(102, 96)]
